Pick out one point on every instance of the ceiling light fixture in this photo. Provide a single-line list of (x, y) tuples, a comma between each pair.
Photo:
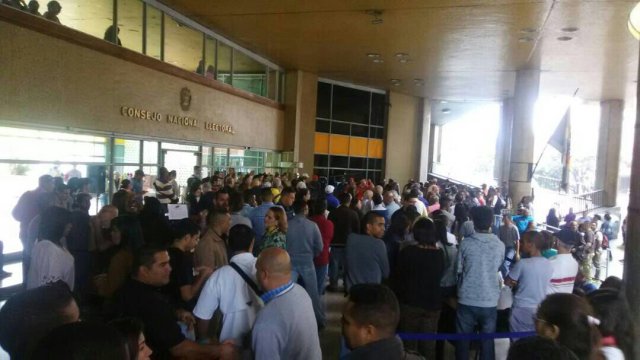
[(378, 61), (564, 38), (402, 55), (396, 82), (525, 39), (404, 61), (373, 55), (528, 30), (569, 29), (377, 16), (446, 111)]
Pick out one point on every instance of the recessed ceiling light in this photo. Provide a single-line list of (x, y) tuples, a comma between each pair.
[(570, 29), (565, 38), (443, 101), (528, 30), (446, 111), (378, 61), (373, 55), (525, 39), (404, 61), (402, 55), (395, 80)]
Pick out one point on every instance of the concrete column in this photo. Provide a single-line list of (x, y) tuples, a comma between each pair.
[(522, 140), (433, 147), (425, 138), (631, 275), (503, 143), (608, 162), (301, 96), (403, 143)]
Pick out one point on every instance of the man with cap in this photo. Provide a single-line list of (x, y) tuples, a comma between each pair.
[(332, 200), (565, 266)]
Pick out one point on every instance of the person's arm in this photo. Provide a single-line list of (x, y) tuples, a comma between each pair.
[(512, 278), (188, 292), (188, 349), (384, 260)]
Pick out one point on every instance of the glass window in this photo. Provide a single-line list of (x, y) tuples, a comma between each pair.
[(126, 151), (209, 70), (248, 74), (220, 159), (338, 172), (340, 128), (130, 24), (272, 84), (171, 146), (90, 17), (357, 162), (359, 130), (281, 87), (375, 164), (323, 126), (150, 152), (321, 160), (377, 109), (350, 105), (323, 107), (376, 132), (339, 161), (321, 172), (182, 45), (224, 63), (153, 32)]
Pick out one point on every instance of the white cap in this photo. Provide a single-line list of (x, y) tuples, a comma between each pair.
[(329, 189), (266, 184), (301, 185)]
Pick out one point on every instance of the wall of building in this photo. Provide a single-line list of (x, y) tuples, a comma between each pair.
[(48, 81), (402, 150)]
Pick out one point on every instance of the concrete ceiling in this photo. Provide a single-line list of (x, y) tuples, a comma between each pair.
[(462, 50)]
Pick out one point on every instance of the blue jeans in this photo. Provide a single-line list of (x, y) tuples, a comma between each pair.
[(306, 270), (336, 265), (321, 276), (470, 318)]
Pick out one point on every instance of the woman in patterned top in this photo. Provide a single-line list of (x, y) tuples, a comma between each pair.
[(275, 223)]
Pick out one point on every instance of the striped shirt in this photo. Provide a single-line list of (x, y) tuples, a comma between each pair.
[(164, 191), (565, 269)]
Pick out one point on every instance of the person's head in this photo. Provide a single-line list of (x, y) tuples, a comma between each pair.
[(303, 194), (63, 192), (55, 223), (275, 218), (612, 309), (265, 195), (152, 207), (345, 199), (371, 314), (33, 6), (288, 196), (220, 220), (317, 207), (373, 225), (612, 282), (125, 184), (28, 316), (241, 238), (132, 332), (124, 232), (138, 174), (151, 265), (82, 341), (424, 231), (531, 243), (163, 174), (552, 212), (300, 207), (539, 348), (197, 171), (377, 199), (222, 200), (45, 183), (273, 268), (236, 202), (123, 200), (568, 319), (607, 216), (482, 218), (82, 202), (172, 175), (445, 203), (54, 8), (388, 197), (186, 234), (573, 225)]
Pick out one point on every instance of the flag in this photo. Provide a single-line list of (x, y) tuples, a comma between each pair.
[(561, 141)]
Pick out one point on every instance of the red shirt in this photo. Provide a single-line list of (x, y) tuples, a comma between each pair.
[(326, 231)]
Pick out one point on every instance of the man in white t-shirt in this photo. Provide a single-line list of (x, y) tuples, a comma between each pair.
[(565, 266), (532, 275), (227, 289)]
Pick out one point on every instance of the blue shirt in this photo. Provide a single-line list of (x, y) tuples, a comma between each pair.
[(332, 201)]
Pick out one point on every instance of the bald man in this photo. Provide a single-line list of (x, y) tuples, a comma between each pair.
[(286, 327)]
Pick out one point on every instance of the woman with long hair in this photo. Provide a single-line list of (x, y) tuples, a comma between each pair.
[(275, 224), (132, 332), (616, 326)]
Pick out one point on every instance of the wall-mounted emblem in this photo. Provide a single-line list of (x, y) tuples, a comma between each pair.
[(185, 98)]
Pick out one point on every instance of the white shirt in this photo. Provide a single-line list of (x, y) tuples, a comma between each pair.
[(238, 303), (50, 263), (565, 269)]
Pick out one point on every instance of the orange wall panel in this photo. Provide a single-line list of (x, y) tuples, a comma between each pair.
[(339, 145), (376, 148), (321, 143), (358, 146)]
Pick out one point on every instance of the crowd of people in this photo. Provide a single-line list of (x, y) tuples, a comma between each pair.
[(245, 274)]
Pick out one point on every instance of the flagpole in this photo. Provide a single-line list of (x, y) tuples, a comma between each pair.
[(538, 162)]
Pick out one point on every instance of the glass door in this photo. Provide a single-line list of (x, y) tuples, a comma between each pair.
[(182, 162)]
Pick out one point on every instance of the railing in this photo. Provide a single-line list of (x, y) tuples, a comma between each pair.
[(583, 203), (442, 178)]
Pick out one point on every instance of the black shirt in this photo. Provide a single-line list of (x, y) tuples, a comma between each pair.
[(181, 274), (419, 271), (345, 221), (150, 306)]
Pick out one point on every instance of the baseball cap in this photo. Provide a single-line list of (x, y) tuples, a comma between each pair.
[(329, 189), (568, 237)]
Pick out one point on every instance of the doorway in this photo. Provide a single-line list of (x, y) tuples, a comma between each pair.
[(182, 162)]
